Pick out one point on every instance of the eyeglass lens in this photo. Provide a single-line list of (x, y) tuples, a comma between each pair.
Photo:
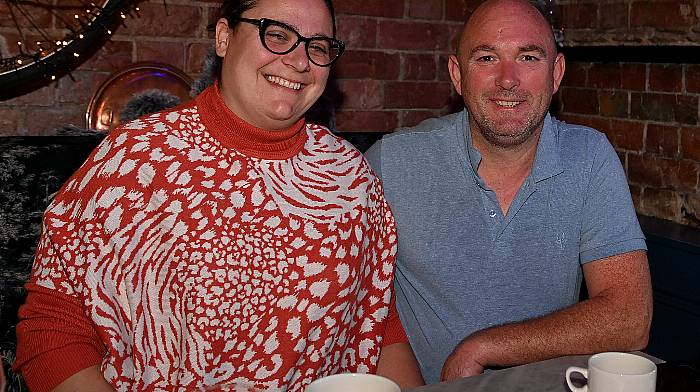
[(280, 39)]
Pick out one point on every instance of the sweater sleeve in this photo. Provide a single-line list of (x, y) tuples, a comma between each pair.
[(54, 339), (394, 332)]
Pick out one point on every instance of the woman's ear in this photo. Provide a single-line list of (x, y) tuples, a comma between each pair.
[(222, 36)]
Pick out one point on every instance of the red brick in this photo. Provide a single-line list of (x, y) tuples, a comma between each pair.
[(443, 74), (182, 21), (690, 143), (692, 78), (112, 56), (425, 9), (41, 17), (575, 74), (579, 100), (81, 89), (418, 67), (665, 107), (414, 95), (454, 32), (362, 94), (669, 16), (371, 121), (662, 140), (661, 204), (626, 135), (196, 53), (458, 10), (691, 210), (666, 77), (172, 53), (357, 32), (681, 176), (366, 64), (601, 124), (614, 16), (613, 103), (9, 121), (385, 8), (636, 192), (606, 75), (634, 76), (576, 16), (42, 97), (40, 122), (413, 35), (644, 170), (410, 118)]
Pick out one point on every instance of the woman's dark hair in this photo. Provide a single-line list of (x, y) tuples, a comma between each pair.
[(231, 10)]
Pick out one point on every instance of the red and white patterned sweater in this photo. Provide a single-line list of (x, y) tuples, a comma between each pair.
[(192, 249)]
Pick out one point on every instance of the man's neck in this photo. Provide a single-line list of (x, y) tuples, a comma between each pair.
[(505, 168)]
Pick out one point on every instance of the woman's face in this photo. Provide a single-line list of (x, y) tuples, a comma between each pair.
[(267, 90)]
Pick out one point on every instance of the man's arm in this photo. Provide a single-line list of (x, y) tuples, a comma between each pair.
[(86, 380), (398, 363), (617, 316)]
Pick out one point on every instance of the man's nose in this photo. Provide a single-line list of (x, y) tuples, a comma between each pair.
[(508, 75), (297, 58)]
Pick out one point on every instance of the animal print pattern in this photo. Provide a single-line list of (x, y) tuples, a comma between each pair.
[(200, 265)]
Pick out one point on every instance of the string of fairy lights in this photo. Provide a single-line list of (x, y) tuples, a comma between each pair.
[(38, 40)]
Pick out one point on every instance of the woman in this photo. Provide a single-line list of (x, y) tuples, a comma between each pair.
[(226, 242)]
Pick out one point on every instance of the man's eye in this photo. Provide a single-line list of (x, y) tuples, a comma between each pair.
[(485, 59), (528, 57)]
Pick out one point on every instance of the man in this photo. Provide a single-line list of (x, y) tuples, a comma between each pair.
[(501, 209)]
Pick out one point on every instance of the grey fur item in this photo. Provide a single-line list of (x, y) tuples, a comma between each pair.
[(209, 66), (147, 102)]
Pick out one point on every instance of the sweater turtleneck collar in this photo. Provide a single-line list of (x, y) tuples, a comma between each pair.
[(233, 132)]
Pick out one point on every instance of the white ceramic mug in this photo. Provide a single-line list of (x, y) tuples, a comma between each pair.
[(616, 372), (351, 382)]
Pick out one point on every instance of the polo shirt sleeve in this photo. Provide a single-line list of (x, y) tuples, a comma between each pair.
[(609, 222)]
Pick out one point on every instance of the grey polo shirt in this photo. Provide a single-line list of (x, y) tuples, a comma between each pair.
[(462, 265)]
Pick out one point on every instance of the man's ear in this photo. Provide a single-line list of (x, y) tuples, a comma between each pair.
[(455, 73), (222, 36), (558, 71)]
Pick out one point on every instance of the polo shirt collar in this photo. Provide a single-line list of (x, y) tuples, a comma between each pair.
[(547, 158)]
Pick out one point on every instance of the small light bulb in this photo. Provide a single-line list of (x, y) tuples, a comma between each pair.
[(138, 9), (53, 77), (65, 43), (80, 36), (75, 54), (76, 16), (109, 32), (19, 61), (123, 16)]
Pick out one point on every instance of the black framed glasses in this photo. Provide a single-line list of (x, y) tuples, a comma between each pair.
[(280, 38)]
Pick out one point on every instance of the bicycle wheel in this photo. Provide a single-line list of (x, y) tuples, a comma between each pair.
[(51, 38)]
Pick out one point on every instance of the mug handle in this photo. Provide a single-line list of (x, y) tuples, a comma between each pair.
[(574, 369)]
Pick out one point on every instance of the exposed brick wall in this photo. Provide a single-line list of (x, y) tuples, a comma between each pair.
[(650, 114), (649, 110), (631, 22), (392, 74)]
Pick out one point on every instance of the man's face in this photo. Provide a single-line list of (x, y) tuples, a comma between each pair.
[(507, 72)]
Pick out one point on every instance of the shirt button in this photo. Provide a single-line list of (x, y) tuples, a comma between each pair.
[(492, 213)]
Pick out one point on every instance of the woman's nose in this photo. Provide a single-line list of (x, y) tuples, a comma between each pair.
[(297, 58)]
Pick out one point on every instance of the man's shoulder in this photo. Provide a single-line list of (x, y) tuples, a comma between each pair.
[(430, 126), (576, 131)]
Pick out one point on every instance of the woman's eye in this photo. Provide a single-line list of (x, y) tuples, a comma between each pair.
[(277, 36), (318, 48)]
